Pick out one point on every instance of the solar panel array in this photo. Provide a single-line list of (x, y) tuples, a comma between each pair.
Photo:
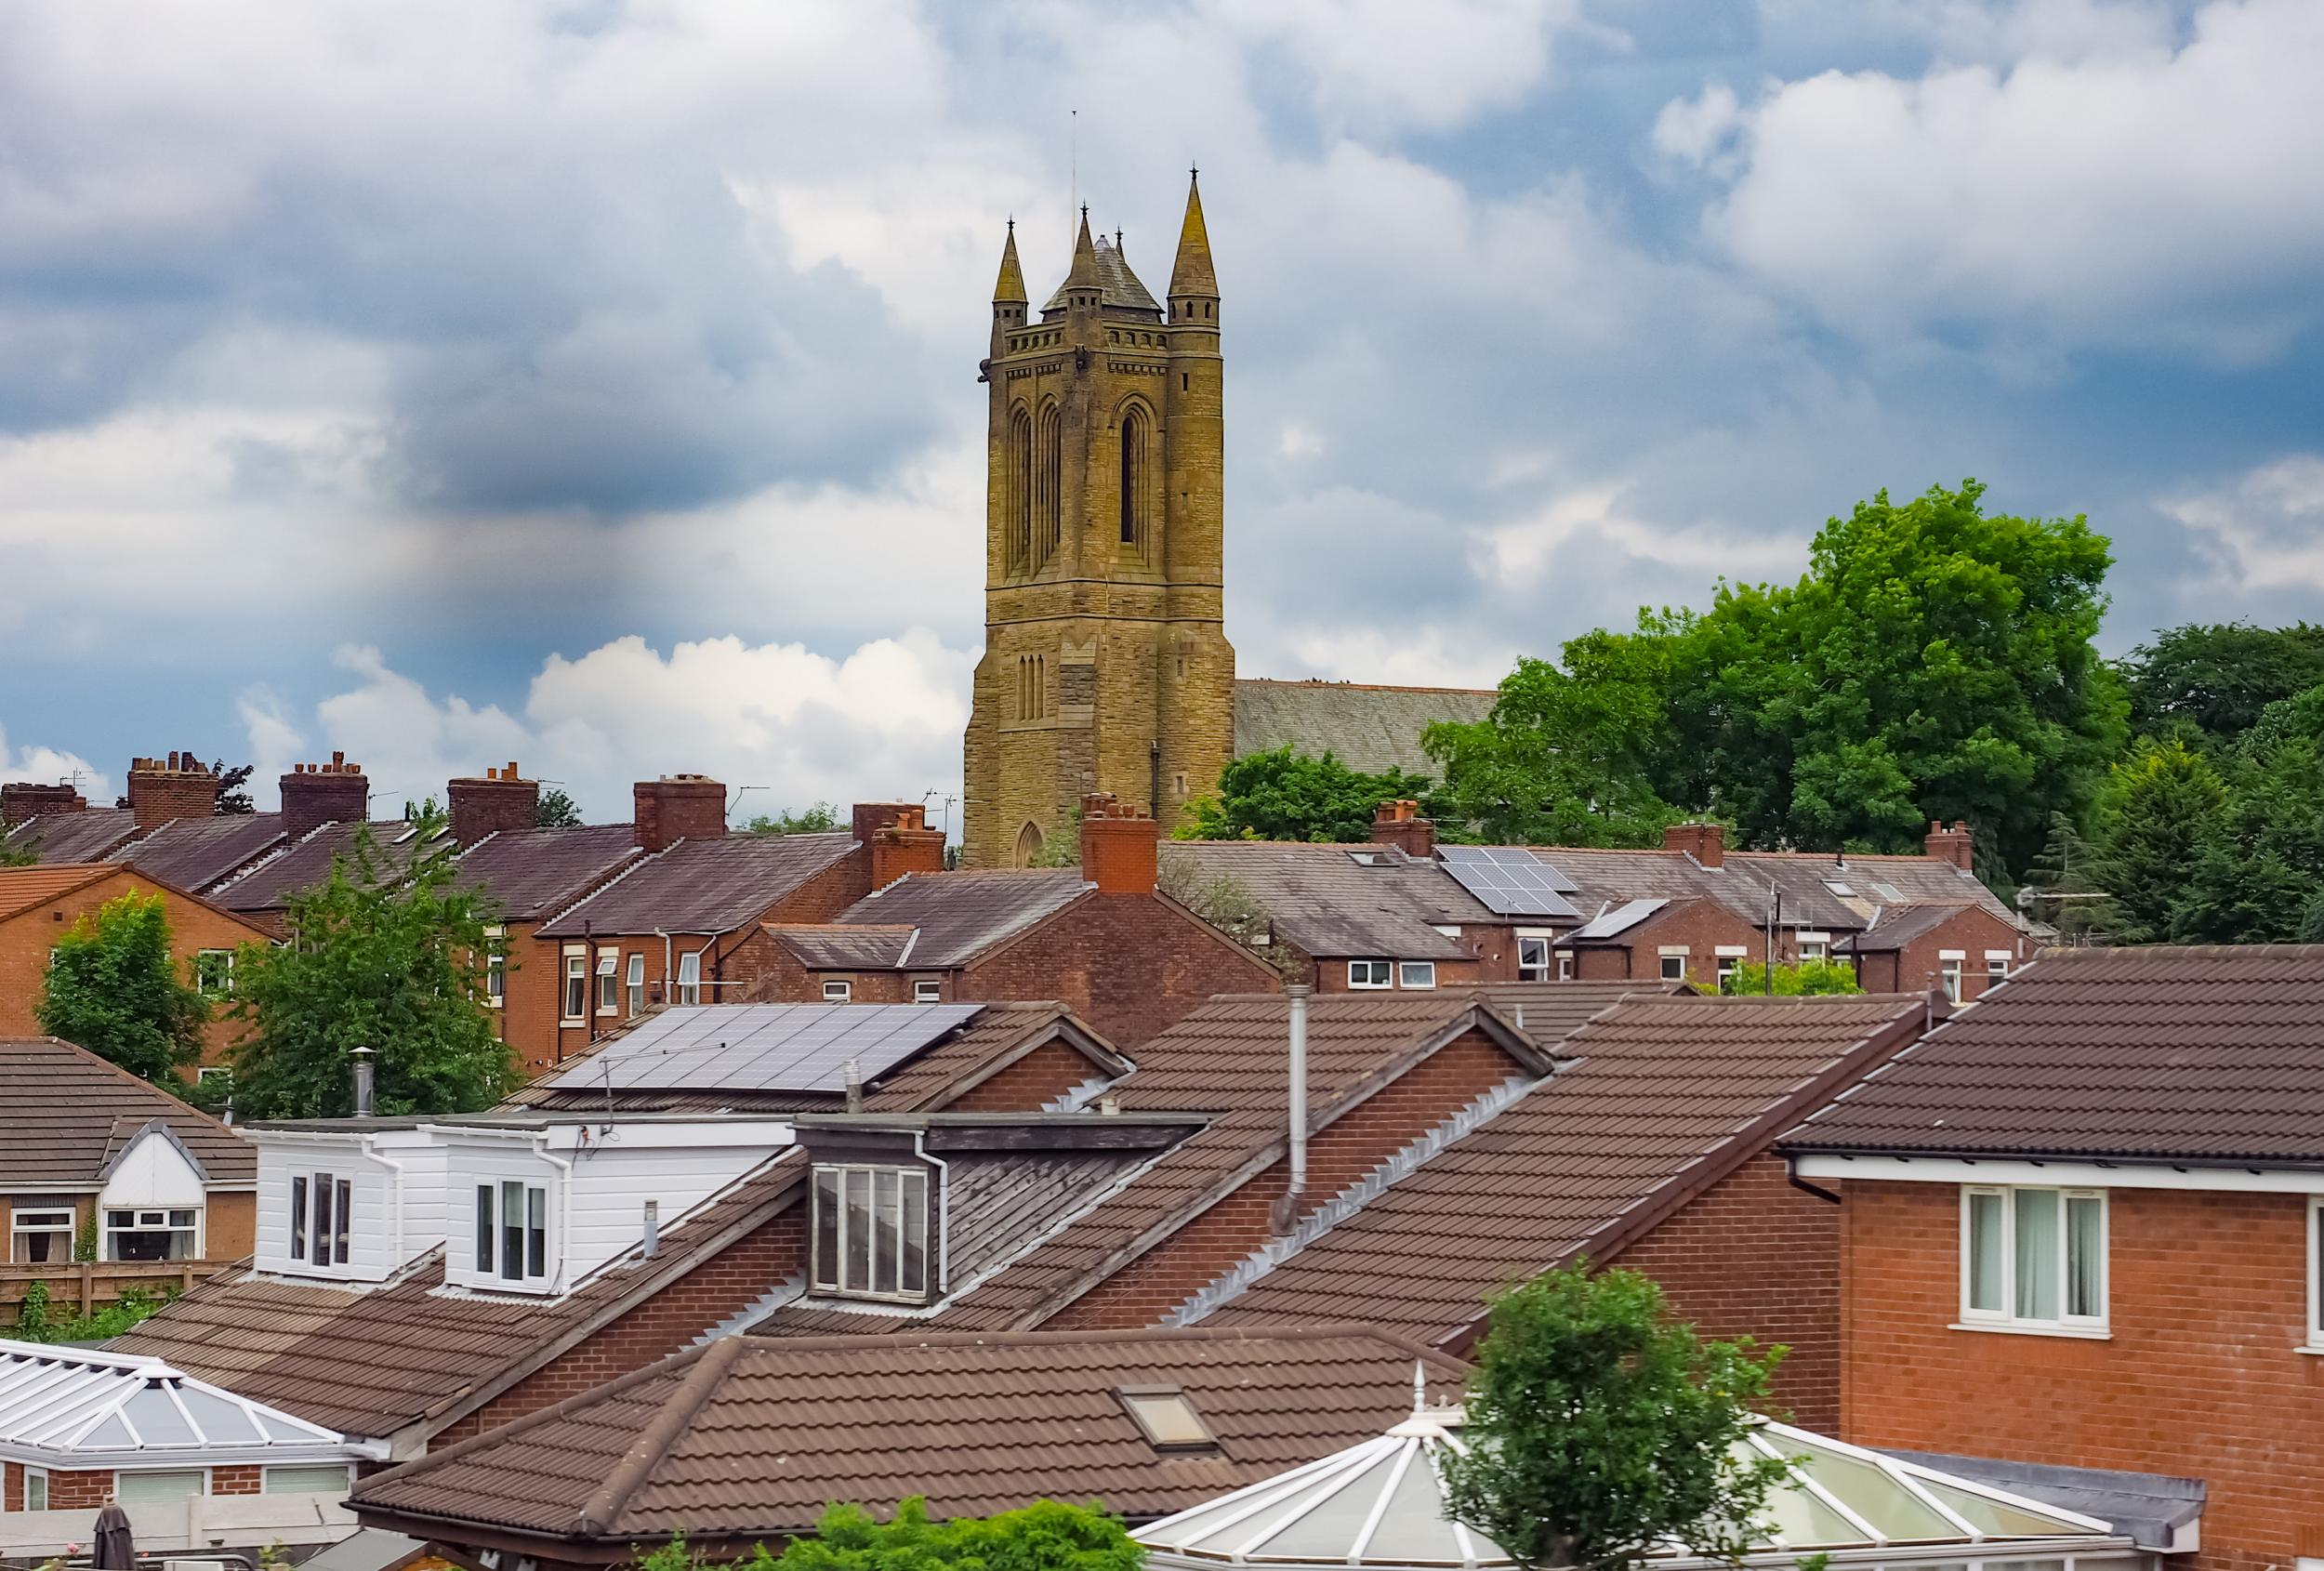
[(765, 1046), (1510, 881)]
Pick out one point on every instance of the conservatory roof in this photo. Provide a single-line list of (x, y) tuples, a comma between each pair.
[(1381, 1503), (71, 1407)]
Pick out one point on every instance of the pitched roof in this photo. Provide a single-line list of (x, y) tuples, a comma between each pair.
[(1668, 1094), (2166, 1054), (85, 835), (304, 864), (1118, 288), (1897, 928), (1336, 900), (69, 1112), (74, 1407), (1550, 1012), (196, 854), (28, 889), (710, 886), (951, 917), (751, 1436), (1369, 729)]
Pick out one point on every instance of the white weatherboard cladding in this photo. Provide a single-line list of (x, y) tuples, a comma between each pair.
[(153, 1172), (612, 1183), (378, 1245)]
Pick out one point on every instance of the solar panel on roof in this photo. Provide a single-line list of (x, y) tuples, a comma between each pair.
[(766, 1047), (1510, 881)]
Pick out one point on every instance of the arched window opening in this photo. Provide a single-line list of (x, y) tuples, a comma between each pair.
[(1018, 505), (1048, 476), (1028, 845), (1133, 477)]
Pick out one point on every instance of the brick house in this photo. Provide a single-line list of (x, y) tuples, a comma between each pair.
[(2081, 1229), (39, 904), (1099, 939), (162, 1194)]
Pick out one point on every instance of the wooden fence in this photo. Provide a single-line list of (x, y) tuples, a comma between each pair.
[(90, 1284)]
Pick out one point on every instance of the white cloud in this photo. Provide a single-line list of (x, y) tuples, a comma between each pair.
[(53, 766), (2133, 194), (1700, 130), (2266, 530)]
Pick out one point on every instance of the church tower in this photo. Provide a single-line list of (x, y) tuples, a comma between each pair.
[(1106, 665)]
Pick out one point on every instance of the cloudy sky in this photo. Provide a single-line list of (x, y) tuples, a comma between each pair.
[(591, 383)]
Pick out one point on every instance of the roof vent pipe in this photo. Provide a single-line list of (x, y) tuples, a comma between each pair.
[(855, 1074), (652, 1228), (362, 1057), (1295, 1192)]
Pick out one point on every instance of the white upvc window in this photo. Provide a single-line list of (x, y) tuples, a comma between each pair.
[(635, 981), (1997, 966), (1369, 973), (497, 967), (1948, 967), (2315, 1273), (1419, 974), (164, 1234), (321, 1218), (1566, 965), (1533, 958), (132, 1485), (305, 1478), (512, 1232), (1673, 963), (837, 990), (927, 990), (871, 1232), (2033, 1258), (1728, 960), (40, 1234), (214, 973), (35, 1488), (608, 969), (1815, 946), (689, 978), (576, 1003)]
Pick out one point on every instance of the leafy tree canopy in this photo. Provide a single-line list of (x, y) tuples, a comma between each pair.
[(1598, 1428), (385, 954), (2259, 878), (113, 986), (2213, 681), (557, 810), (1809, 977), (1045, 1536), (814, 819), (2153, 820), (1286, 795)]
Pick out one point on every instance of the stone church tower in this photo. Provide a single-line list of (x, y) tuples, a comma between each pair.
[(1106, 665)]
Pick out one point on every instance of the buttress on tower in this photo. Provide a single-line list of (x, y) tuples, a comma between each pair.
[(1106, 665)]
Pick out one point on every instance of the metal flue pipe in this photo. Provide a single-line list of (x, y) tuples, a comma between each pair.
[(1295, 1190), (363, 1072)]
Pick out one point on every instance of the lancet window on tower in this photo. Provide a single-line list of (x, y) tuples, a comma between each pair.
[(1019, 478), (1048, 484), (1136, 472), (1032, 687)]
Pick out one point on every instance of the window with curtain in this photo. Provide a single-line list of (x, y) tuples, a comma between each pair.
[(2034, 1256), (690, 977), (512, 1232)]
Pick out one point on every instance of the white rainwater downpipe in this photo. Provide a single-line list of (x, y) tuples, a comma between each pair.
[(1295, 1192)]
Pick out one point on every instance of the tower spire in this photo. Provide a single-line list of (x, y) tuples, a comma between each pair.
[(1009, 289), (1192, 273), (1084, 272)]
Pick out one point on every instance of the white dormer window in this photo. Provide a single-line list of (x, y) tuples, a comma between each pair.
[(174, 1233), (1416, 973), (512, 1233), (871, 1233), (1533, 958), (1367, 973), (837, 990), (320, 1207), (927, 992)]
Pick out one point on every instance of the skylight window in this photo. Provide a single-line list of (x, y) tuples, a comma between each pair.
[(1840, 889), (1887, 892), (1167, 1419)]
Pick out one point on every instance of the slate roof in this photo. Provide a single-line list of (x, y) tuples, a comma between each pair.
[(1119, 287), (1917, 880), (87, 835), (68, 1113), (1369, 729), (751, 1436), (712, 886), (2165, 1054), (820, 946), (1669, 1094), (374, 1363), (302, 865), (952, 918), (1896, 928), (531, 872), (1326, 900), (196, 854)]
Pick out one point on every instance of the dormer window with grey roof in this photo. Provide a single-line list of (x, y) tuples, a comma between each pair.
[(871, 1232)]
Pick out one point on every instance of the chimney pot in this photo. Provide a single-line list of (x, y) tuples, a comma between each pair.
[(1399, 824), (163, 790), (492, 804), (1120, 846), (677, 807), (313, 796)]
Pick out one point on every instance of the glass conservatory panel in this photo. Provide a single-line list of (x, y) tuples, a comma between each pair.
[(1871, 1492), (1326, 1525), (1802, 1519), (112, 1432), (157, 1419), (1413, 1527), (221, 1420), (1997, 1518)]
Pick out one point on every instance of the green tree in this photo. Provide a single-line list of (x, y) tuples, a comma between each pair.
[(25, 855), (557, 810), (2152, 822), (386, 954), (817, 818), (2214, 680), (1598, 1428), (1284, 795), (1045, 1536), (112, 987), (2258, 877), (1807, 978)]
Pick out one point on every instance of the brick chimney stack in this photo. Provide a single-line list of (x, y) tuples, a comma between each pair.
[(1707, 843), (314, 795), (678, 807), (502, 799), (898, 838), (163, 790), (20, 799), (1120, 846), (1955, 845), (1399, 824)]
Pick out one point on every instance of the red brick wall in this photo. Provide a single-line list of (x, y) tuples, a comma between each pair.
[(1331, 976), (1040, 1077), (1701, 925), (1129, 964), (1973, 931), (79, 1491), (664, 1323), (2207, 1300), (11, 1487), (1752, 1256), (234, 1481), (1344, 1151)]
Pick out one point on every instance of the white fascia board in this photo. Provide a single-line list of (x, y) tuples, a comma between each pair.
[(2065, 1175), (754, 1133)]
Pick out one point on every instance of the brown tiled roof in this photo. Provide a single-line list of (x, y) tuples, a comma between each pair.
[(1897, 927), (1332, 905), (702, 885), (1667, 1095), (197, 853), (751, 1437), (2168, 1054), (87, 835), (1550, 1012), (69, 1112), (374, 1363), (1369, 729), (531, 872), (302, 865), (956, 917), (27, 889)]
